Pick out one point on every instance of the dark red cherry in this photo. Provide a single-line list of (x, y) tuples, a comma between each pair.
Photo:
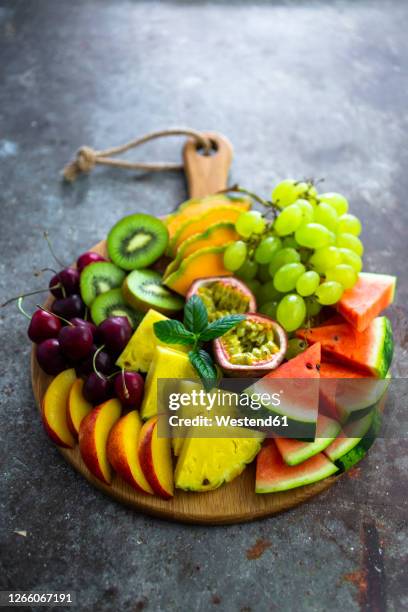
[(87, 258), (69, 307), (69, 279), (103, 363), (129, 388), (50, 357), (75, 341), (115, 333), (82, 322), (43, 325), (97, 389)]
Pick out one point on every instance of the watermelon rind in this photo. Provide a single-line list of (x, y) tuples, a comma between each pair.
[(354, 432), (355, 455), (385, 345), (309, 449)]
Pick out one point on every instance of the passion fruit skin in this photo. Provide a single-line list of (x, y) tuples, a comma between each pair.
[(225, 280), (260, 368)]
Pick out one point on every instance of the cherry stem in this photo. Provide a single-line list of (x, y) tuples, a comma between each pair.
[(59, 262), (95, 369), (54, 315), (21, 309), (125, 389), (17, 297)]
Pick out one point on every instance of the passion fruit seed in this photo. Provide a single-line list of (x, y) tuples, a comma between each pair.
[(250, 342), (221, 299)]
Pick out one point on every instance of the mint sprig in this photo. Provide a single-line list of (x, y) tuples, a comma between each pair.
[(194, 331)]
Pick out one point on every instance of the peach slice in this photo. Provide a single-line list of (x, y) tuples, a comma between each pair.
[(155, 459), (54, 409), (122, 451), (93, 436), (77, 407)]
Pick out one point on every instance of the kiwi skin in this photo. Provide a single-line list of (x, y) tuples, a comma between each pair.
[(124, 231), (167, 306), (112, 304)]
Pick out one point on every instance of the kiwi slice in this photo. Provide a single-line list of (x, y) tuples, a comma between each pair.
[(137, 241), (98, 278), (112, 304), (143, 289)]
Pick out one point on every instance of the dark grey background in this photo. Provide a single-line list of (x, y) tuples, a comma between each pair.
[(301, 89)]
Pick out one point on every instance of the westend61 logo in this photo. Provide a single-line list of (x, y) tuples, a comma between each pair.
[(223, 409)]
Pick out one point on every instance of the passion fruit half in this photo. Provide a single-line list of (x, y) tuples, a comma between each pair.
[(253, 348), (223, 296)]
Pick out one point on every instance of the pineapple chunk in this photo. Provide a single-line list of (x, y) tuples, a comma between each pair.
[(205, 463), (139, 351), (166, 363)]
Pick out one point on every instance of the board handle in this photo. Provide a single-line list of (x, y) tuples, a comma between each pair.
[(207, 174)]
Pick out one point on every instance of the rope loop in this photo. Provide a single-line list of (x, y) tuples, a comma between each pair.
[(87, 158)]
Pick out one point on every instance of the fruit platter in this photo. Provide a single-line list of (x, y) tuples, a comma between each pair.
[(228, 286)]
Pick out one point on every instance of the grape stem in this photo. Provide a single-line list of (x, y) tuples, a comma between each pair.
[(237, 189)]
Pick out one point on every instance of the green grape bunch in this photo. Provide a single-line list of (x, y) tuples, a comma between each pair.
[(302, 259)]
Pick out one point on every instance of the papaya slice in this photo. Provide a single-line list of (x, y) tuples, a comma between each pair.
[(199, 206), (201, 264), (218, 234), (199, 223)]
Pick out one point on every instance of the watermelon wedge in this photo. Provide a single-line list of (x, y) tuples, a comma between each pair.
[(349, 437), (297, 383), (294, 452), (370, 350), (356, 454), (272, 473), (371, 294)]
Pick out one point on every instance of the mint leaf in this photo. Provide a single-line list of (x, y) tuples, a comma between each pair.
[(173, 332), (195, 315), (205, 368), (220, 327)]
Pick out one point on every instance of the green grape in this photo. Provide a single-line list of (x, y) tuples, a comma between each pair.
[(253, 284), (267, 248), (325, 258), (307, 191), (260, 222), (326, 215), (291, 312), (263, 273), (343, 274), (332, 238), (295, 347), (290, 242), (352, 259), (349, 224), (248, 270), (349, 241), (288, 220), (248, 222), (285, 193), (269, 309), (307, 283), (329, 293), (313, 235), (281, 258), (307, 210), (286, 277), (312, 307), (336, 200), (268, 293), (235, 255)]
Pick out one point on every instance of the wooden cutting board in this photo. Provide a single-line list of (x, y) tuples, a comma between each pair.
[(235, 502)]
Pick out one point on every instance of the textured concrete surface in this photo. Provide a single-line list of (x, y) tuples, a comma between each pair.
[(301, 89)]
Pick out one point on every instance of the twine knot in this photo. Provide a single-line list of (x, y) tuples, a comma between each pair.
[(85, 161)]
